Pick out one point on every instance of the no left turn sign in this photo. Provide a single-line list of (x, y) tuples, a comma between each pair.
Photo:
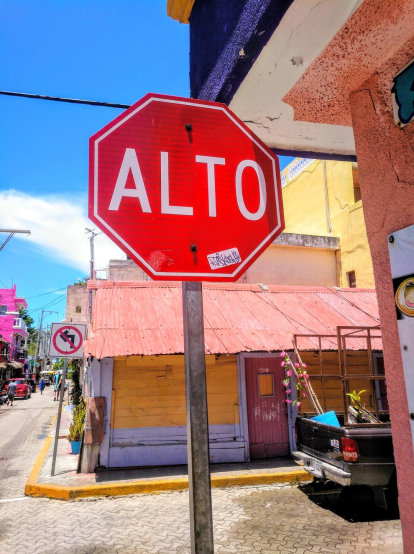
[(67, 340)]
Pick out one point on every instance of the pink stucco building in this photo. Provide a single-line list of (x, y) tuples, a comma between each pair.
[(13, 329)]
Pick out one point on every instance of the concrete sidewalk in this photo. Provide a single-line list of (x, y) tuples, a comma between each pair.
[(66, 484)]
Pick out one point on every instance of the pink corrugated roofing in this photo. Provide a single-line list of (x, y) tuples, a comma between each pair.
[(145, 318)]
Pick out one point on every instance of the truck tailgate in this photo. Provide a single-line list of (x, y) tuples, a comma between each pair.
[(322, 445), (321, 440)]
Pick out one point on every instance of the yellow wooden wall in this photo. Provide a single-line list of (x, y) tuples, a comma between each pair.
[(357, 365), (149, 391)]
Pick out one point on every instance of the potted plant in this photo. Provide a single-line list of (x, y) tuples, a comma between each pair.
[(76, 427), (357, 411)]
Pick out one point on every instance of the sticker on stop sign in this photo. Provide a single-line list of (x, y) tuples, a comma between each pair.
[(185, 189)]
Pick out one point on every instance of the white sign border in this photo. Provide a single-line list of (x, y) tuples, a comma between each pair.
[(79, 354)]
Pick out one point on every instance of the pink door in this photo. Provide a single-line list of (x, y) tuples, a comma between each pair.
[(266, 408)]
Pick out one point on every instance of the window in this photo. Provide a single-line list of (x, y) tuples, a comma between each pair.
[(355, 179), (266, 387), (351, 279), (3, 310), (78, 310)]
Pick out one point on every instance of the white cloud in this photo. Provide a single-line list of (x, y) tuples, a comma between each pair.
[(57, 228)]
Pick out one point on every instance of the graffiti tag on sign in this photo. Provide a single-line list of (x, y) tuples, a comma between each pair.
[(224, 258)]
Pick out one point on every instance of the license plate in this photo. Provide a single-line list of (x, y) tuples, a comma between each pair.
[(316, 465)]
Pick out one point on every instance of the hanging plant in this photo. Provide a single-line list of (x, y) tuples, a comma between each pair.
[(302, 378)]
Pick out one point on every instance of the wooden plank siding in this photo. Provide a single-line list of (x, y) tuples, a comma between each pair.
[(329, 391), (149, 391)]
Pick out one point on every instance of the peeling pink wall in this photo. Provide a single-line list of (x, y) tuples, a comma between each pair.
[(376, 31), (386, 167)]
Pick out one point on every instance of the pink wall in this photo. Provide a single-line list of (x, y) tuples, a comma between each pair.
[(386, 167), (8, 298)]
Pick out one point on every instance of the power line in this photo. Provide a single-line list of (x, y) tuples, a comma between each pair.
[(45, 293), (52, 303), (67, 100)]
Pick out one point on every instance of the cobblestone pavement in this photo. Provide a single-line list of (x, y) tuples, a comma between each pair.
[(247, 519)]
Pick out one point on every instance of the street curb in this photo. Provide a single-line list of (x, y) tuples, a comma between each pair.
[(61, 492)]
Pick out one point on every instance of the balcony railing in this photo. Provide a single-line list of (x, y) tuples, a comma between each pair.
[(22, 354), (18, 323)]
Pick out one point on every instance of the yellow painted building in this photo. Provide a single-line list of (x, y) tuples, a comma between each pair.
[(323, 198)]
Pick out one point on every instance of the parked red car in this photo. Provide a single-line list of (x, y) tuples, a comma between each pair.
[(24, 390)]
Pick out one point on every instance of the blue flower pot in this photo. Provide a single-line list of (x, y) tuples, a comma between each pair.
[(75, 446)]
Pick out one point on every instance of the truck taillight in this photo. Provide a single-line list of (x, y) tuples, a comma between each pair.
[(349, 450)]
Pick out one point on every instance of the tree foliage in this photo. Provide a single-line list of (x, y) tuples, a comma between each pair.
[(24, 314)]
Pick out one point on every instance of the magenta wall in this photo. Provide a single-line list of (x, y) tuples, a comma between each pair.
[(8, 298), (386, 166)]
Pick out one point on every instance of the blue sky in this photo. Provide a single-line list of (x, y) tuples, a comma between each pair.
[(99, 50)]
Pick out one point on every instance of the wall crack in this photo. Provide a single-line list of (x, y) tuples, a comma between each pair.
[(386, 138)]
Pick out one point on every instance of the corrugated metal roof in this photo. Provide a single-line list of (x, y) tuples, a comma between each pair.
[(145, 318)]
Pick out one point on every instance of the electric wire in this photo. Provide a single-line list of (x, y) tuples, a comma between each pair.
[(52, 303), (67, 100), (45, 293)]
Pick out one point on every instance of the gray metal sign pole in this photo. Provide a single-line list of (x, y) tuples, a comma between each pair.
[(201, 518), (59, 415)]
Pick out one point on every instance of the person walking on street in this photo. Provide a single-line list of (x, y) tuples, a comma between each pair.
[(56, 382), (11, 391), (66, 389), (41, 386), (59, 389)]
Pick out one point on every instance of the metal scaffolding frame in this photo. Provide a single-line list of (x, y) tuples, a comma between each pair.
[(344, 333)]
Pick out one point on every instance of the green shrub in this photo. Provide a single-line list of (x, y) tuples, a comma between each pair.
[(76, 427), (74, 369)]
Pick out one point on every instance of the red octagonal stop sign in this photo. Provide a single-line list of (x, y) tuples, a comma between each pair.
[(185, 189)]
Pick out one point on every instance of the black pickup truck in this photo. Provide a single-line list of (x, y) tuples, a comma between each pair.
[(360, 454)]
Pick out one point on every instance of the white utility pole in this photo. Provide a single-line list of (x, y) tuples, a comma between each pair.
[(38, 337), (91, 264)]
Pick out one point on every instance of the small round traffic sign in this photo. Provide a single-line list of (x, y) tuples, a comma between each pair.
[(67, 340)]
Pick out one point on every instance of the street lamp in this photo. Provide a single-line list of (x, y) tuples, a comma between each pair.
[(11, 233)]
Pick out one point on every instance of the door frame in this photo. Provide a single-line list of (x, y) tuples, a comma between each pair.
[(244, 425)]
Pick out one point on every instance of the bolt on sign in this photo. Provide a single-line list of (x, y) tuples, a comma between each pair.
[(185, 189)]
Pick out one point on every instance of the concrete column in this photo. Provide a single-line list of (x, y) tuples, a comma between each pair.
[(386, 167)]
